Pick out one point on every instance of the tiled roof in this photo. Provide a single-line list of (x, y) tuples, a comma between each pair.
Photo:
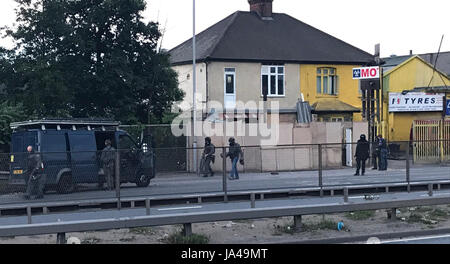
[(245, 36)]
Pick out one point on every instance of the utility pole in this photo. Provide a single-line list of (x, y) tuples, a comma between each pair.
[(194, 92)]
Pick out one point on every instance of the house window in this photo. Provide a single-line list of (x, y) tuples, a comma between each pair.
[(337, 119), (272, 80), (327, 81)]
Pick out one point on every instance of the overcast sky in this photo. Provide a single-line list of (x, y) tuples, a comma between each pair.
[(398, 25)]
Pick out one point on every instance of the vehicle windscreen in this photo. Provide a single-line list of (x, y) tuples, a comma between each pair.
[(125, 142)]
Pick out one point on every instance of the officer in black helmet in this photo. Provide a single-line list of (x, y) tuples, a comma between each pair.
[(361, 155), (207, 158)]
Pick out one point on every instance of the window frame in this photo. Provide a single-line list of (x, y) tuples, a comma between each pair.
[(332, 81), (229, 71), (266, 70)]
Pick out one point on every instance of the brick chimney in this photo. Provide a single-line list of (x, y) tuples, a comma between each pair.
[(262, 7)]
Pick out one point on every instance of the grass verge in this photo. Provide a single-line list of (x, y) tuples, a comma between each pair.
[(178, 238), (360, 215)]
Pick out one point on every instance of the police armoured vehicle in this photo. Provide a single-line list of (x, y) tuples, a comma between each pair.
[(71, 150)]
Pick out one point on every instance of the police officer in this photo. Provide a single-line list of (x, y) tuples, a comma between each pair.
[(207, 158), (236, 155), (108, 162), (362, 154), (375, 154), (35, 179), (383, 153)]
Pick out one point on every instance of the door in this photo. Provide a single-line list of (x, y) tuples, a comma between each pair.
[(349, 147), (129, 159), (147, 156), (55, 155), (230, 88), (19, 158), (83, 153)]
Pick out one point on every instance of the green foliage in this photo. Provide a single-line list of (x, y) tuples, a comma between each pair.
[(307, 227), (178, 238), (142, 230), (8, 113), (322, 225), (90, 58)]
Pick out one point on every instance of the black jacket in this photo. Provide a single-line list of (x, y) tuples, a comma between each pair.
[(209, 150), (235, 151), (362, 149), (34, 164)]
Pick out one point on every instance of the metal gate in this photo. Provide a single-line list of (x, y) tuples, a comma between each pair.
[(431, 141)]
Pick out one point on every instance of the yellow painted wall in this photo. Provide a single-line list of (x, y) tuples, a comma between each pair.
[(407, 76), (348, 88)]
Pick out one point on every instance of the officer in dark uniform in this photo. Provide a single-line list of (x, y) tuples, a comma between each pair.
[(34, 177), (207, 158), (236, 155), (383, 153), (375, 154), (362, 154), (108, 161)]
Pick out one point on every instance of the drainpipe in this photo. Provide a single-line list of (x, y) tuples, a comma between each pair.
[(207, 87)]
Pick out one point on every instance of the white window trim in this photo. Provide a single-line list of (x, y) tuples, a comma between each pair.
[(225, 79), (265, 70)]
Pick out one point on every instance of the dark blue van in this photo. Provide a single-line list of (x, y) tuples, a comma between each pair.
[(71, 152)]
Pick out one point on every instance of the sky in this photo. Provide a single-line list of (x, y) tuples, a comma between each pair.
[(398, 25)]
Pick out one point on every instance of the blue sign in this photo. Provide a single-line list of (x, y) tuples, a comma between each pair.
[(356, 73), (447, 112)]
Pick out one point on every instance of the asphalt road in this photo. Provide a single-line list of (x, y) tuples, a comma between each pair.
[(179, 210), (183, 184)]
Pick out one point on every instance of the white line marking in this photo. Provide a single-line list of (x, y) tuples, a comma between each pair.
[(414, 239), (180, 208)]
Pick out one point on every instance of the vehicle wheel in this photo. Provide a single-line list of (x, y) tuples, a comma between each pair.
[(65, 184), (142, 180)]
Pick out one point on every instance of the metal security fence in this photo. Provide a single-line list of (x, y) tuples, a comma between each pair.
[(431, 140), (83, 176)]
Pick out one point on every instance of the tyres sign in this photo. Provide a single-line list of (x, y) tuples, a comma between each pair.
[(415, 102), (366, 73)]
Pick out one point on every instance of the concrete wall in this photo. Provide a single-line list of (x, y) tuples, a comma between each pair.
[(248, 83), (185, 80), (297, 148), (348, 89)]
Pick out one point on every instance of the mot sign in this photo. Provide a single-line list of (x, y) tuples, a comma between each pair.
[(415, 102), (366, 73)]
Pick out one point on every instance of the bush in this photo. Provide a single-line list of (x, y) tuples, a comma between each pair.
[(179, 238)]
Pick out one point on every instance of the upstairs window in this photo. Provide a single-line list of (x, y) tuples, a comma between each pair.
[(272, 80), (327, 81)]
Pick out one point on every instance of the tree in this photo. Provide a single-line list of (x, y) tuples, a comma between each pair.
[(8, 113), (90, 58)]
